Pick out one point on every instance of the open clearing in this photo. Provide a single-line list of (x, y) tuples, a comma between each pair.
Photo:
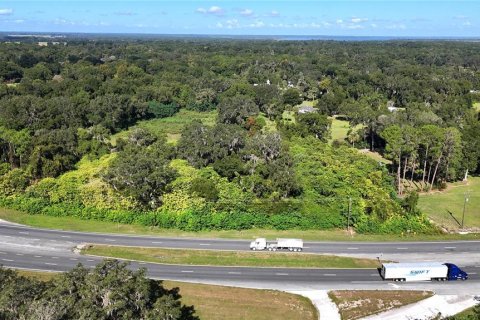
[(172, 127), (476, 106), (219, 302), (356, 304), (229, 258), (438, 204), (76, 224)]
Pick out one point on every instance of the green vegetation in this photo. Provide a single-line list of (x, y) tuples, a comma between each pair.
[(220, 302), (228, 258), (203, 135), (340, 129), (469, 314), (438, 204), (356, 304), (111, 291), (476, 106), (77, 224)]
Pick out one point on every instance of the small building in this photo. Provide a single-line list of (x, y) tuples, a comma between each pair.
[(306, 109)]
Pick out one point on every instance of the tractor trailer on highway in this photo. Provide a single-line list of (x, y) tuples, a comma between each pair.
[(280, 244), (421, 271)]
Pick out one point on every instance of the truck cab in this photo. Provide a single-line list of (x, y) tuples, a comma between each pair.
[(258, 244), (455, 273)]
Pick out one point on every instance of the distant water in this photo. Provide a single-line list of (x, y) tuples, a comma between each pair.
[(20, 35)]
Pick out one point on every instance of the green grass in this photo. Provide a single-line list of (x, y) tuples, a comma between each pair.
[(356, 304), (288, 116), (219, 302), (437, 204), (229, 258), (476, 106), (172, 126), (339, 129), (375, 156), (76, 224)]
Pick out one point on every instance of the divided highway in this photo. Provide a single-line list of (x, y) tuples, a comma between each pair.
[(42, 249)]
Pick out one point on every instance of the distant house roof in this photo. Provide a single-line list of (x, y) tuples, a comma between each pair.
[(306, 109)]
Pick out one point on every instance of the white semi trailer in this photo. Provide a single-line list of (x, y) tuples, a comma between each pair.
[(279, 244), (422, 271)]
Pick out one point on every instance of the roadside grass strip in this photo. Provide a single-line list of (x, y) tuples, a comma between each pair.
[(219, 302), (356, 304), (228, 258), (77, 224)]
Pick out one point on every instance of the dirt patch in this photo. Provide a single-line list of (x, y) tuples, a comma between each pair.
[(357, 304)]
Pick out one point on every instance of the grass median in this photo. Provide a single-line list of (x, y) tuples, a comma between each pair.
[(219, 302), (229, 258)]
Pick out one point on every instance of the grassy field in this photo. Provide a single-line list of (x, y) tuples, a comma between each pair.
[(437, 204), (172, 126), (219, 302), (229, 258), (339, 129), (356, 304), (76, 224)]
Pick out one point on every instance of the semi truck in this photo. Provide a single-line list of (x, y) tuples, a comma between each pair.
[(279, 244), (422, 271)]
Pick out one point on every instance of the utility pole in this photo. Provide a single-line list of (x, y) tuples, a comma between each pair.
[(464, 206)]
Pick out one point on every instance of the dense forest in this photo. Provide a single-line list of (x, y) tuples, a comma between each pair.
[(236, 134)]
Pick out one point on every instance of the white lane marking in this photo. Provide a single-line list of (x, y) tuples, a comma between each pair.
[(90, 260), (477, 266), (472, 273), (19, 254), (50, 264), (142, 263), (23, 232), (7, 236), (234, 272), (35, 239), (374, 275), (204, 244), (3, 252), (7, 260), (37, 256), (65, 236), (281, 274), (450, 247), (402, 248), (394, 285), (73, 259), (54, 257), (329, 274), (157, 242), (352, 248), (306, 247), (187, 271), (111, 240)]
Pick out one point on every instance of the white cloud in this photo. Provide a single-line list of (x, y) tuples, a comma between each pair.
[(354, 26), (467, 23), (19, 21), (358, 20), (6, 12), (257, 24), (201, 10), (339, 21), (246, 12), (373, 25), (232, 24), (215, 10)]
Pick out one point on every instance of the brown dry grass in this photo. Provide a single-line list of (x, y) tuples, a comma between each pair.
[(219, 303), (356, 304)]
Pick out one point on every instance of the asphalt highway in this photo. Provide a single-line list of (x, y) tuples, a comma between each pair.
[(51, 250)]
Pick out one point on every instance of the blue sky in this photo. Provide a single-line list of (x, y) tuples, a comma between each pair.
[(336, 18)]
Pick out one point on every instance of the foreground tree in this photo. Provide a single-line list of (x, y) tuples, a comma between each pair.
[(110, 291)]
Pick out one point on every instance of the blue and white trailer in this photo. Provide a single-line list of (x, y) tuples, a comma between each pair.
[(422, 271)]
